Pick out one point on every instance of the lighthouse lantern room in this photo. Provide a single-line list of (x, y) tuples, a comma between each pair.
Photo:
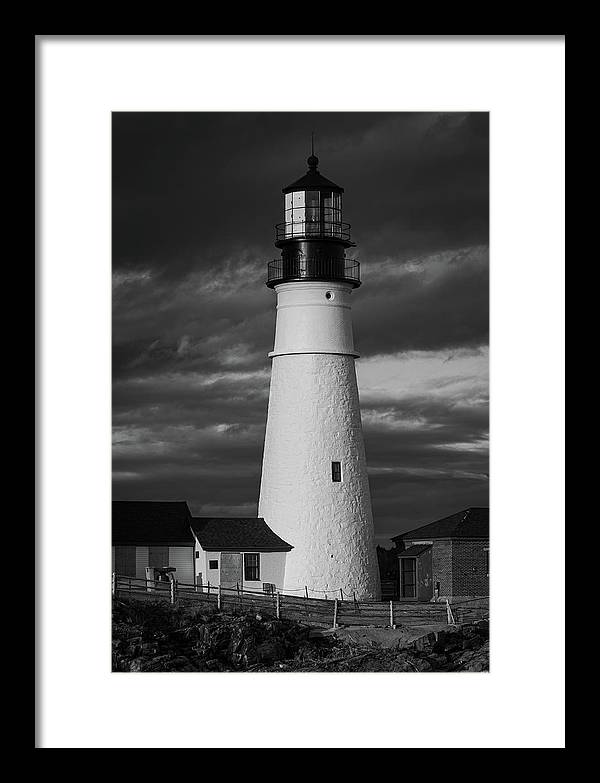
[(313, 237)]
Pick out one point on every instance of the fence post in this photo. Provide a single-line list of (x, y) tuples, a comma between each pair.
[(172, 591), (208, 589), (219, 598), (335, 610), (306, 591), (341, 594), (277, 606), (449, 615), (392, 614), (114, 584)]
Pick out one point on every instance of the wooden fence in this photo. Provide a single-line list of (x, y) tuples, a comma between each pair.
[(313, 611)]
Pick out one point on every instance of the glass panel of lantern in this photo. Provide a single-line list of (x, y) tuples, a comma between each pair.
[(312, 212), (298, 212), (287, 207), (327, 202), (287, 213), (337, 213)]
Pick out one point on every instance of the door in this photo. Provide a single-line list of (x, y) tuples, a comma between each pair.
[(408, 577), (231, 570)]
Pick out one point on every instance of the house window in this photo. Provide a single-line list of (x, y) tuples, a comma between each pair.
[(336, 471), (251, 567), (212, 564), (158, 556)]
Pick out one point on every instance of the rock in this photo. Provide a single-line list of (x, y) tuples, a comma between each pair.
[(269, 651), (179, 664), (404, 666), (478, 665), (422, 665), (159, 663), (424, 643), (439, 659), (473, 660)]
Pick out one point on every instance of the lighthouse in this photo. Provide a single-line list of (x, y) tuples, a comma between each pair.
[(314, 489)]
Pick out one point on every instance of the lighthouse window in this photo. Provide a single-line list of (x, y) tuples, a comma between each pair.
[(336, 471)]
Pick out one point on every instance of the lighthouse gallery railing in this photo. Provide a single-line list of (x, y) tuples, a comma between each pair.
[(301, 268)]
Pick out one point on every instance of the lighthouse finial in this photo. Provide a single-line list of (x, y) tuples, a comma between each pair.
[(313, 161)]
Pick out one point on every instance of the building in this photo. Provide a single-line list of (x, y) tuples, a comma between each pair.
[(242, 552), (148, 533), (202, 550), (448, 558), (314, 489)]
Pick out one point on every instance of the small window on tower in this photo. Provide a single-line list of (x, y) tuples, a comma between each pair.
[(336, 471)]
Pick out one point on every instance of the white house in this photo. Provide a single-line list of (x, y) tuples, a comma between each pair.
[(220, 551), (149, 533), (239, 551)]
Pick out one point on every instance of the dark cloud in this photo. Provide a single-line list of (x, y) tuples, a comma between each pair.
[(195, 197)]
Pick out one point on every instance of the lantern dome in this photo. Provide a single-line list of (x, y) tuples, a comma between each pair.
[(313, 180)]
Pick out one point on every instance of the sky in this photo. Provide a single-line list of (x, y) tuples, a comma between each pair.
[(195, 200)]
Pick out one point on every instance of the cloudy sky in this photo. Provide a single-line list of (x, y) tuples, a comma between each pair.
[(195, 198)]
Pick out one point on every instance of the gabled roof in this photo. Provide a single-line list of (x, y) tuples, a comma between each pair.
[(151, 523), (237, 534), (415, 550), (470, 523)]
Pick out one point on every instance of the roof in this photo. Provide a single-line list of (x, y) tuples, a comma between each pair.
[(415, 550), (470, 523), (235, 534), (313, 180), (148, 522)]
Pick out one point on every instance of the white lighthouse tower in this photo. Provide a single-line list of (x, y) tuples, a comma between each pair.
[(314, 489)]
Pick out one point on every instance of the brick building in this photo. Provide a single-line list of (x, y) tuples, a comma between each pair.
[(448, 558)]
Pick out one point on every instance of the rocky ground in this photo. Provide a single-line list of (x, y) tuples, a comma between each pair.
[(158, 637)]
